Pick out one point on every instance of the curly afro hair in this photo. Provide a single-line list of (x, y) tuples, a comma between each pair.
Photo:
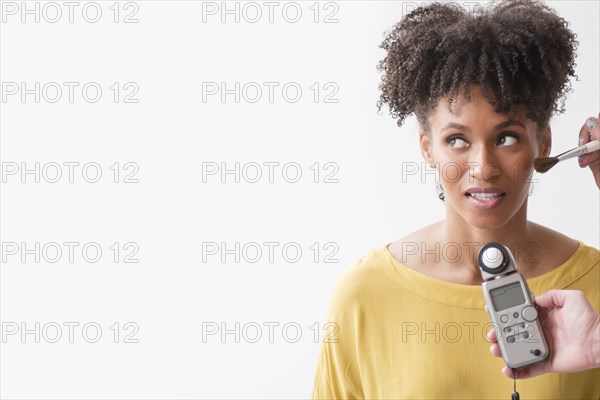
[(518, 51)]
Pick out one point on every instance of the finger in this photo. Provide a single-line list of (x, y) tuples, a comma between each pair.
[(592, 157), (595, 130), (589, 131), (526, 372), (491, 336), (584, 138), (589, 159), (495, 350)]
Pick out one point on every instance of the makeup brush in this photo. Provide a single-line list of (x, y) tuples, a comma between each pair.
[(543, 164)]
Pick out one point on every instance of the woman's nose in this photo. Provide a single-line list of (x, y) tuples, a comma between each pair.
[(483, 165)]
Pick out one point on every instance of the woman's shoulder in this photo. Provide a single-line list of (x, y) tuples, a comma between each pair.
[(426, 234), (361, 272), (365, 280), (419, 247), (558, 246), (370, 274), (552, 251)]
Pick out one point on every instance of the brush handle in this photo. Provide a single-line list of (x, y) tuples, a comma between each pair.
[(590, 147)]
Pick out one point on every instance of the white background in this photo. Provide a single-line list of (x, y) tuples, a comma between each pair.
[(171, 294)]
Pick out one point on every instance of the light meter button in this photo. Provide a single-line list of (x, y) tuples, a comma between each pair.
[(529, 314), (504, 318)]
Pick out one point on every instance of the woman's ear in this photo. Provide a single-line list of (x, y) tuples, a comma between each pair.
[(426, 151), (546, 142)]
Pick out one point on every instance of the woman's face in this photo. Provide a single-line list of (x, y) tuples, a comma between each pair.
[(484, 159)]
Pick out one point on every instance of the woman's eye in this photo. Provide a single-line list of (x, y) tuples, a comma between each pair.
[(507, 140), (457, 142)]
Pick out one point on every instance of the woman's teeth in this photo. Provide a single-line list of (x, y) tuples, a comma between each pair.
[(486, 196)]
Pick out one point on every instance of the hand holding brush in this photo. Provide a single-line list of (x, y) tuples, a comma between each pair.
[(589, 144)]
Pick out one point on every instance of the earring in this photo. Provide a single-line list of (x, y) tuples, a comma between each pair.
[(440, 192)]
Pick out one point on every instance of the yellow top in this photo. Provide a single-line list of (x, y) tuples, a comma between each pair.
[(405, 335)]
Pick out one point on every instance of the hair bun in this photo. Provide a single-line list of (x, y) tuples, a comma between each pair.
[(519, 51)]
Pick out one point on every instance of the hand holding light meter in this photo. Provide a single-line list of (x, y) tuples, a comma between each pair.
[(511, 308)]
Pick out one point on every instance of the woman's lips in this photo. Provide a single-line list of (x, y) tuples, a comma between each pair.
[(485, 201)]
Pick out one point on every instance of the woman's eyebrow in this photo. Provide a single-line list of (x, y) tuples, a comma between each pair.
[(509, 123), (454, 125), (502, 125)]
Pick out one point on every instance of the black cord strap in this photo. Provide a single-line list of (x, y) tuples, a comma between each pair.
[(515, 395)]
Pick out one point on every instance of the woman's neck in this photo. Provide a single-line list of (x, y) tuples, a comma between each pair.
[(518, 234)]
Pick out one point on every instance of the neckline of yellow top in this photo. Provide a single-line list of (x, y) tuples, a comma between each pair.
[(471, 296)]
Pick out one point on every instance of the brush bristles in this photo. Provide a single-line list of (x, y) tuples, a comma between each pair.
[(543, 164)]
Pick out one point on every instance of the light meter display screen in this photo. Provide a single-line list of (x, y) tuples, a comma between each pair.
[(507, 296)]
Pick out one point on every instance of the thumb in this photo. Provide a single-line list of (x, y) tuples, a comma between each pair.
[(546, 302), (552, 298)]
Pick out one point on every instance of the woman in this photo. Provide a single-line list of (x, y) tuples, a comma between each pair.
[(410, 315)]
